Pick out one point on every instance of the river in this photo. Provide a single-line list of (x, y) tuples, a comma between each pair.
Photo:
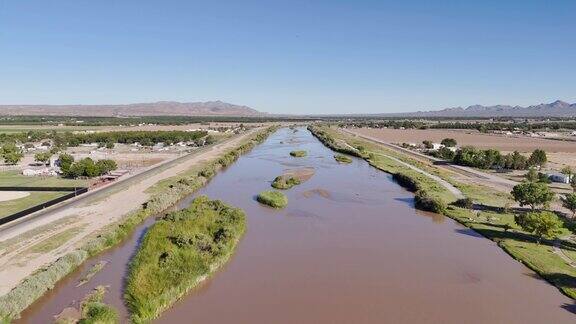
[(349, 247)]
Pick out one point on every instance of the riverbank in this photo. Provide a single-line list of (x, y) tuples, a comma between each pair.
[(163, 195), (493, 221), (179, 251)]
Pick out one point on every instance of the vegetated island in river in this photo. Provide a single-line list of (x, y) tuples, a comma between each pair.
[(342, 158), (178, 252), (300, 153), (273, 198), (285, 182)]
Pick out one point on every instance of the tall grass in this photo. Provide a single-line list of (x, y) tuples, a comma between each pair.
[(273, 198), (285, 182), (179, 251), (33, 287)]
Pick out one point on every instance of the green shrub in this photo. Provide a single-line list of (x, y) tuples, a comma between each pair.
[(178, 252), (464, 203), (425, 202), (406, 181), (94, 311), (273, 198), (298, 153), (342, 158), (285, 182)]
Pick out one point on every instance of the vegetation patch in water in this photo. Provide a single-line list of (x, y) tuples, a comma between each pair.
[(285, 182), (91, 273), (342, 158), (273, 199), (300, 153), (178, 252)]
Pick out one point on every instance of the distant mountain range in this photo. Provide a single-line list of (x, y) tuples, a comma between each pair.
[(555, 109), (161, 108)]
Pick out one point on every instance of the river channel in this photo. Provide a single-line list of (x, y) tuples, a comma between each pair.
[(349, 248)]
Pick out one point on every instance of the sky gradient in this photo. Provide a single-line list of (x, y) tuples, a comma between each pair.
[(294, 56)]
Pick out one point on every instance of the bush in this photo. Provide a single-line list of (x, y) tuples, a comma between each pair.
[(285, 182), (273, 199), (423, 201), (464, 203), (298, 153), (342, 158), (406, 181)]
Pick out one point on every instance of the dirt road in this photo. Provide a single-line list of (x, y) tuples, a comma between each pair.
[(21, 246)]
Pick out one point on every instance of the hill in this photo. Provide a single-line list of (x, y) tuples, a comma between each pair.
[(555, 109), (161, 108)]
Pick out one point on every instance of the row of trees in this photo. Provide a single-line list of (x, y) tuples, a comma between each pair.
[(85, 167), (145, 138), (491, 158)]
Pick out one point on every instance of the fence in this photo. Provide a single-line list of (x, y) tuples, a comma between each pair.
[(75, 191)]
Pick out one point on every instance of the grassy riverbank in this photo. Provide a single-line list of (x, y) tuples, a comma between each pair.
[(179, 251), (165, 194), (494, 223)]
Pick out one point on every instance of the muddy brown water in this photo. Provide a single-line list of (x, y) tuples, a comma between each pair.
[(349, 248)]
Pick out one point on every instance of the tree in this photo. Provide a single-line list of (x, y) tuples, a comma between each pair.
[(531, 175), (567, 170), (543, 224), (538, 158), (65, 161), (428, 144), (569, 202), (42, 157), (105, 166), (573, 183), (449, 142), (11, 153), (533, 194)]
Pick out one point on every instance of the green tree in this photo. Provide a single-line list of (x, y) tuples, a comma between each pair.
[(538, 158), (105, 166), (573, 183), (533, 194), (11, 153), (569, 202), (543, 224), (65, 161), (567, 170), (449, 142), (531, 175), (427, 144), (42, 157)]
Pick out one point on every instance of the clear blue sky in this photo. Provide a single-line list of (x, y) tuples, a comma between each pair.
[(338, 56)]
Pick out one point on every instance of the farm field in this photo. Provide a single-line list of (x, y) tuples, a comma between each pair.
[(469, 137), (560, 153)]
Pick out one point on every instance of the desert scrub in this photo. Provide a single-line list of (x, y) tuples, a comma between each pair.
[(273, 198), (178, 252), (300, 153), (285, 182), (342, 158)]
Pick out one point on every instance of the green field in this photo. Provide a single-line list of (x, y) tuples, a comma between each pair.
[(35, 198), (14, 178)]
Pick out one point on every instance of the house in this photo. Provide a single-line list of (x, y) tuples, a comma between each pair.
[(559, 177)]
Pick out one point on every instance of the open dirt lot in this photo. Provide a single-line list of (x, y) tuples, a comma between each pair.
[(469, 137)]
